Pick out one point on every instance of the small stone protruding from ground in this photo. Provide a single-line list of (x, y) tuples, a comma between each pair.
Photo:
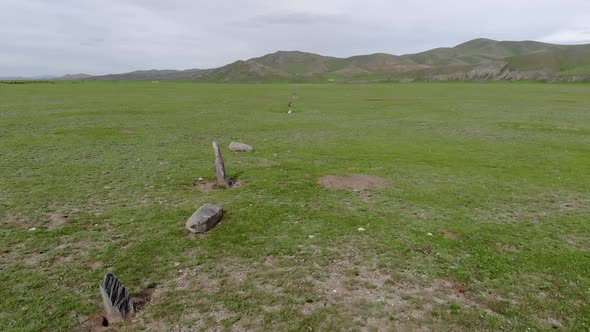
[(554, 323), (204, 219), (291, 111), (115, 297), (240, 147)]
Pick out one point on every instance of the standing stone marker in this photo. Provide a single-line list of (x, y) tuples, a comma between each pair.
[(220, 167), (205, 218), (115, 297)]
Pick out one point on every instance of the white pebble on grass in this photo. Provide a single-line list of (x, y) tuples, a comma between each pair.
[(32, 229), (429, 234), (311, 236), (361, 229)]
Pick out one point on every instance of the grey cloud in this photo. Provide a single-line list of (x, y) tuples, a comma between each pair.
[(68, 36), (298, 18)]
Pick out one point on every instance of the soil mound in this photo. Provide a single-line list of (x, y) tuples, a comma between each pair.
[(355, 182)]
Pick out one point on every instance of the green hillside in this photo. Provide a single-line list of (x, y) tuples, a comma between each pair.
[(560, 60), (478, 59)]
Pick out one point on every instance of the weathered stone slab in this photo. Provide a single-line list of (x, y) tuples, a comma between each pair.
[(205, 218), (240, 147), (115, 297), (220, 167)]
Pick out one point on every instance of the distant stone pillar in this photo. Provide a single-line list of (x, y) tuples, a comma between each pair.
[(220, 167)]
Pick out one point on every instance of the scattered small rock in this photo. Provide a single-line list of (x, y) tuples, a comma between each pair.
[(200, 179), (176, 264), (240, 147), (291, 111), (429, 234), (32, 229), (361, 229), (554, 323), (426, 250), (311, 236), (205, 218)]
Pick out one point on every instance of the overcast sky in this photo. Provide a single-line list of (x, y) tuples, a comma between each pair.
[(109, 36)]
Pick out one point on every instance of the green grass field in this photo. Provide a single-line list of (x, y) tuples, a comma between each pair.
[(484, 224)]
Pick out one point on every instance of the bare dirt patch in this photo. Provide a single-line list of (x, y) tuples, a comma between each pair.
[(90, 323), (343, 283), (145, 296), (33, 258), (205, 186), (575, 204), (453, 236), (405, 302), (10, 219), (209, 186), (393, 99), (97, 322), (95, 265), (356, 182), (578, 242), (192, 279), (56, 219), (235, 183), (508, 247)]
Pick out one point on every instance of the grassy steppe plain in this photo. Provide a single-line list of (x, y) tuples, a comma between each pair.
[(497, 173)]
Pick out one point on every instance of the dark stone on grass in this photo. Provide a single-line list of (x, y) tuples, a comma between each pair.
[(240, 147), (115, 297), (205, 218)]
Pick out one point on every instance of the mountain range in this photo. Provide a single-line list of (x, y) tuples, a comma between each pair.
[(479, 59)]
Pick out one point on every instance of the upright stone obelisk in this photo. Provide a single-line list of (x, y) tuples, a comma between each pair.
[(220, 167), (115, 297)]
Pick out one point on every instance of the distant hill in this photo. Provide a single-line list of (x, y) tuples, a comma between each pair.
[(28, 78), (74, 77), (479, 59), (151, 75)]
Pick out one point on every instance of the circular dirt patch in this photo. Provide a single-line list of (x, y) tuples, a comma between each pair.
[(353, 182)]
